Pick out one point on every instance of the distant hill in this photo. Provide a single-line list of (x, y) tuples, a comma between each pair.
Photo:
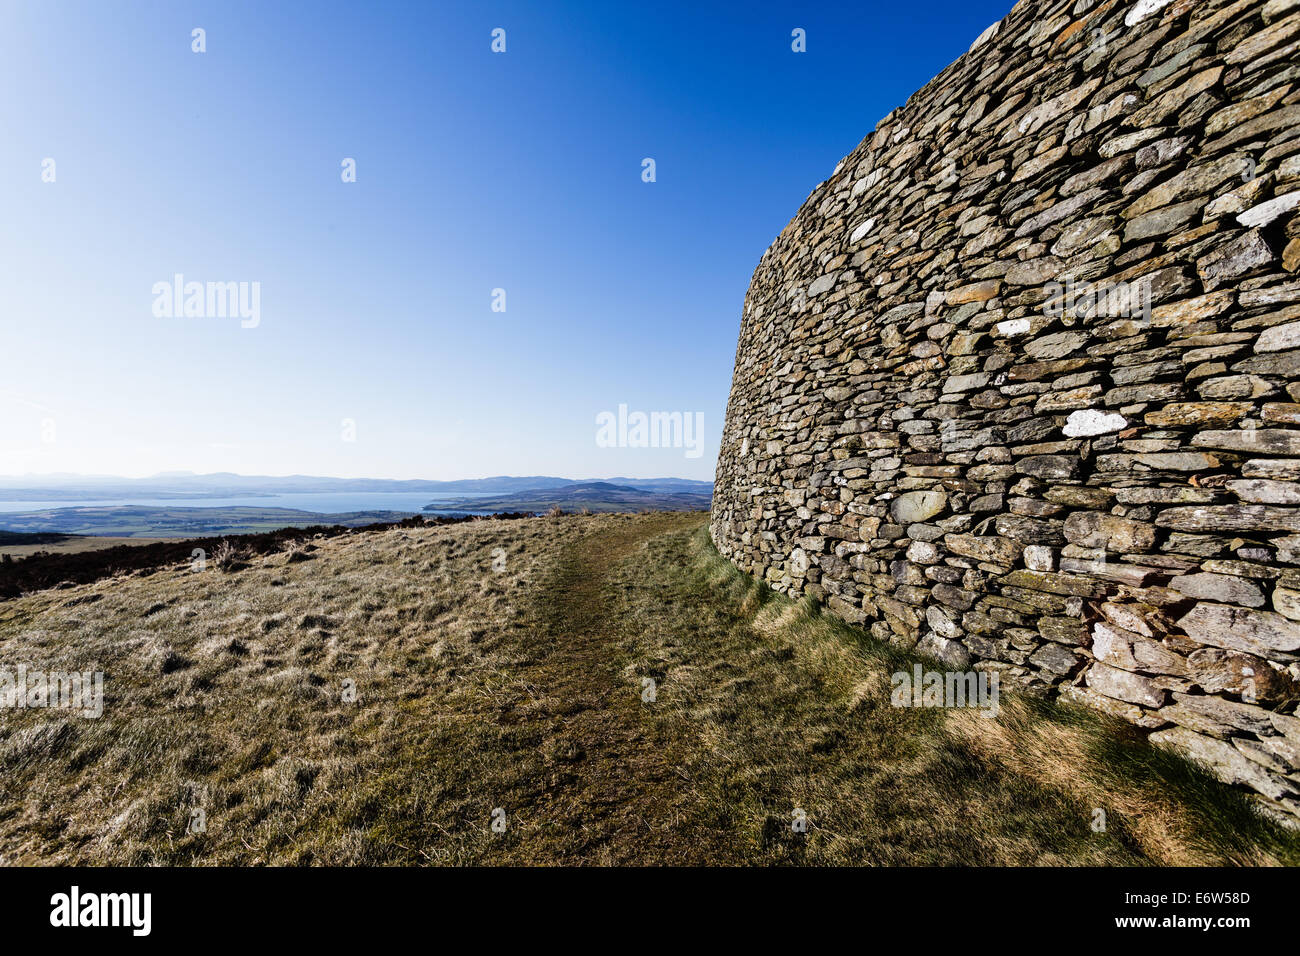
[(63, 487), (597, 496)]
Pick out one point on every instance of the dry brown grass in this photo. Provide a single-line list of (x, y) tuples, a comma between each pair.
[(502, 665), (225, 691)]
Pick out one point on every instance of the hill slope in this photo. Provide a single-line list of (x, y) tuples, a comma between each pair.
[(500, 672), (599, 496)]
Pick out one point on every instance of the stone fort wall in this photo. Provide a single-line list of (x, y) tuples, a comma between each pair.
[(1019, 385)]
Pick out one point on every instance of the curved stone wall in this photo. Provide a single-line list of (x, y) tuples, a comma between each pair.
[(1019, 386)]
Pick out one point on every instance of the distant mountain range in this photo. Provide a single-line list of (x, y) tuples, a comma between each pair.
[(67, 487), (594, 495)]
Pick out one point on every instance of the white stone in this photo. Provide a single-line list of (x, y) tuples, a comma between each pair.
[(1089, 421), (1276, 9), (1143, 9), (1279, 338), (862, 230), (1039, 557), (822, 284), (989, 33), (1266, 212), (1013, 327), (922, 552)]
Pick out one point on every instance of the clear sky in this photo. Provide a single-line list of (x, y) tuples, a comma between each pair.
[(475, 171)]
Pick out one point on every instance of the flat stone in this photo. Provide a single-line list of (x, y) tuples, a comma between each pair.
[(1198, 413), (966, 383), (822, 284), (1178, 461), (1028, 530), (945, 650), (1184, 495), (1161, 222), (974, 292), (954, 597), (1234, 260), (1287, 413), (1063, 630), (943, 621), (1262, 633), (1279, 337), (1276, 753), (1124, 685), (1069, 584), (1137, 618), (1085, 697), (914, 506), (1143, 9), (1055, 659), (1078, 496), (1266, 212), (994, 550), (1093, 529), (1195, 181), (1269, 441), (1265, 491), (922, 552), (1223, 760), (1055, 346), (1050, 466), (1230, 518), (1130, 651), (1218, 671), (1226, 588), (862, 230), (1234, 386)]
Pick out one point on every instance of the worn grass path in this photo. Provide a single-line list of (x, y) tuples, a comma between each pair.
[(616, 793)]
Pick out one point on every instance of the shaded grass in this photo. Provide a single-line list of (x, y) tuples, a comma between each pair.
[(792, 708)]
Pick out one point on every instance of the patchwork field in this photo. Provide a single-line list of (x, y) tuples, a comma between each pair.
[(581, 689)]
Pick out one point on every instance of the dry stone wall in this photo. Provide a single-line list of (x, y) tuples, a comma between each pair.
[(1019, 386)]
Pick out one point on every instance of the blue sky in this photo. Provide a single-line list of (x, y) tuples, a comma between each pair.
[(475, 171)]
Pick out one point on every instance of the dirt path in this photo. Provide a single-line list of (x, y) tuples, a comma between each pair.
[(621, 790)]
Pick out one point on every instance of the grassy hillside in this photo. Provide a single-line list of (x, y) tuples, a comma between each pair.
[(17, 545), (499, 670)]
